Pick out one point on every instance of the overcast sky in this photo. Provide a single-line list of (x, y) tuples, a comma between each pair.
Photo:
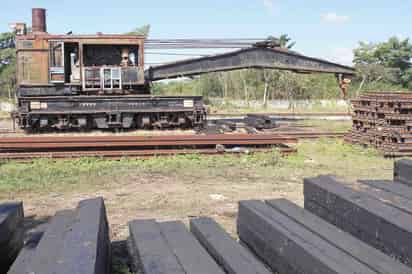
[(328, 29)]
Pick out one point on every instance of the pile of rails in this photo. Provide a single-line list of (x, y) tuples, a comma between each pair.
[(115, 147), (383, 120), (345, 227), (26, 148)]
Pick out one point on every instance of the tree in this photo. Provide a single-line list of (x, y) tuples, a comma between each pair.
[(387, 61), (143, 30), (7, 64), (286, 42)]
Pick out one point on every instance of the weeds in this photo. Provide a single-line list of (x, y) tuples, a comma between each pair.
[(313, 157)]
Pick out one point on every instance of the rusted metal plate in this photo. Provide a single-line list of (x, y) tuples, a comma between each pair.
[(33, 67)]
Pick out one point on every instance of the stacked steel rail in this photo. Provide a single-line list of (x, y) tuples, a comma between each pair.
[(383, 120), (116, 147), (20, 148)]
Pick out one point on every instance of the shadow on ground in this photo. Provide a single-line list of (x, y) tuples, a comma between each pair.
[(120, 258)]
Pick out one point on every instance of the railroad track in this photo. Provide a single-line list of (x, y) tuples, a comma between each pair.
[(114, 147), (115, 155), (301, 135), (286, 116)]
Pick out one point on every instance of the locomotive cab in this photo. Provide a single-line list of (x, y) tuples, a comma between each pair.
[(76, 65)]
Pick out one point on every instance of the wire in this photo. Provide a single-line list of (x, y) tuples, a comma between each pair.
[(175, 54), (200, 43)]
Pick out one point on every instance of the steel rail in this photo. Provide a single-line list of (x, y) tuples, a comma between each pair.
[(284, 114), (142, 139), (314, 135), (116, 147), (147, 144), (132, 153)]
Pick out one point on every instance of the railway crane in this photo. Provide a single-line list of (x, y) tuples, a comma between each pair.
[(100, 82)]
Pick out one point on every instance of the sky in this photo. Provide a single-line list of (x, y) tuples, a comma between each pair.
[(327, 29)]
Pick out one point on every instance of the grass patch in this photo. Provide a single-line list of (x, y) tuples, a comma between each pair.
[(326, 156)]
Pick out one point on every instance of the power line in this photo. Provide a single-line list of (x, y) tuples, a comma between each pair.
[(201, 43), (175, 54)]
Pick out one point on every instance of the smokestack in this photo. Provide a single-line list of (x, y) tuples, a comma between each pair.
[(39, 20)]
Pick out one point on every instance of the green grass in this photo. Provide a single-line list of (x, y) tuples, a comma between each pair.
[(313, 157)]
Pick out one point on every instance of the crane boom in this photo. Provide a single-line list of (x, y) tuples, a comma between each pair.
[(254, 57)]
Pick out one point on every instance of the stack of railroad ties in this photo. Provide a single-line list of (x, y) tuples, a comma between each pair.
[(383, 120), (346, 227)]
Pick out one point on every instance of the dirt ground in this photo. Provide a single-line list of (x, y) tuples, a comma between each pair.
[(163, 198)]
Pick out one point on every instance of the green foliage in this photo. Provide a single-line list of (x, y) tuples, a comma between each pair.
[(250, 85), (286, 42), (7, 67), (143, 30), (389, 62)]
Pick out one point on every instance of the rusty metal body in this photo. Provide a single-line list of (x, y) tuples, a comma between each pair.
[(39, 20), (99, 81), (93, 81), (44, 60)]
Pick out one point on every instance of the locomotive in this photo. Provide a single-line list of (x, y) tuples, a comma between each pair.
[(99, 81)]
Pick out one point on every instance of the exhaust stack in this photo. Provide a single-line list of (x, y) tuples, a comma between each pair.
[(39, 20)]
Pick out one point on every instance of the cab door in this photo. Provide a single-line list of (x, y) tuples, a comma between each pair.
[(56, 66)]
